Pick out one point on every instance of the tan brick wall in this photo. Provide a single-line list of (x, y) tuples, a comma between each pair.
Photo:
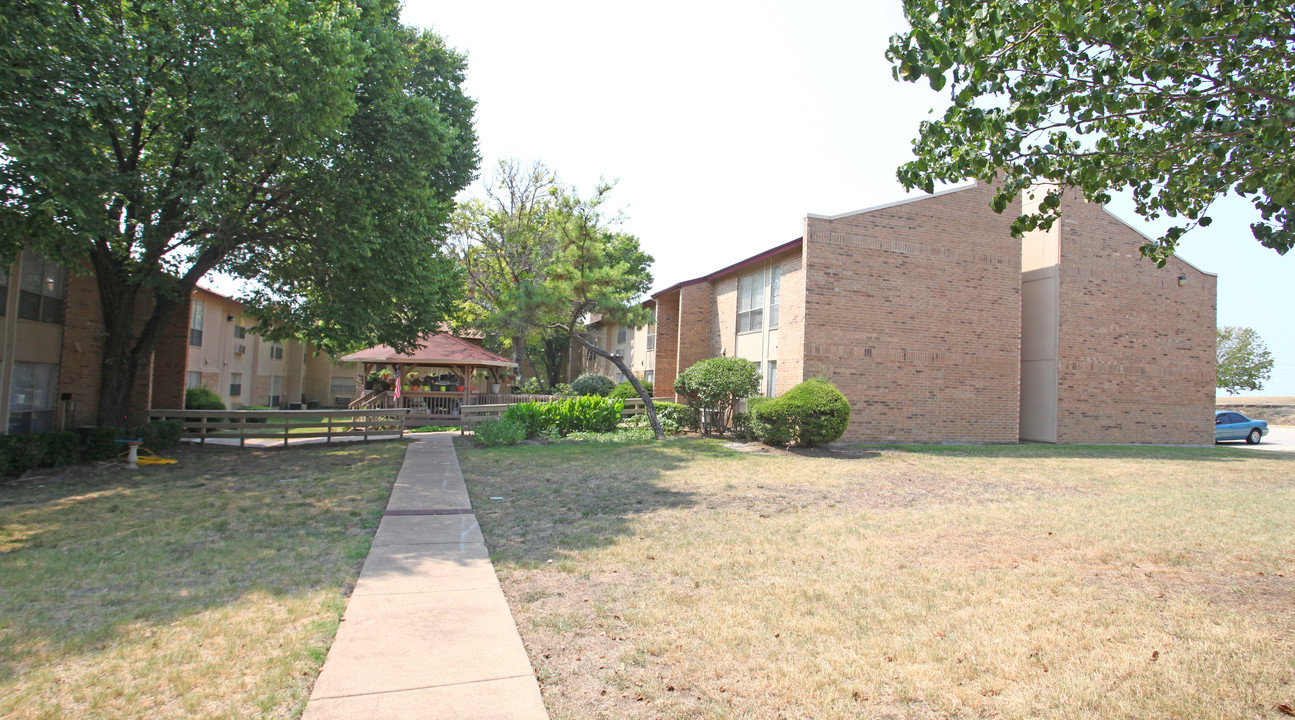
[(1135, 350), (913, 311), (667, 344), (698, 336)]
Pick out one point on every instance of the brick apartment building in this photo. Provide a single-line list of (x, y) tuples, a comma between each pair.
[(939, 326), (51, 343)]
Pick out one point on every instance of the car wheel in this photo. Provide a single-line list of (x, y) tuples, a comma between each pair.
[(1253, 437)]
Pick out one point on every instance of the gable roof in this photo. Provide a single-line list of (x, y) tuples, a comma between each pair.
[(433, 349), (734, 267)]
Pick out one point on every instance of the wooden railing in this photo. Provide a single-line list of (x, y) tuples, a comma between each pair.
[(473, 415), (635, 406), (509, 398), (245, 425)]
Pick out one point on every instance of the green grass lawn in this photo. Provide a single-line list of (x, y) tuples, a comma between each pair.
[(694, 579), (211, 588)]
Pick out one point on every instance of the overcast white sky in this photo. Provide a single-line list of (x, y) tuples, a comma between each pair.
[(726, 123)]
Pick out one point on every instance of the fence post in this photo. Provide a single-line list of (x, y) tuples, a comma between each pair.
[(329, 439), (203, 439), (242, 431)]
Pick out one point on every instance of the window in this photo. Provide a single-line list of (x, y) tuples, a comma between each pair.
[(276, 390), (276, 352), (651, 333), (771, 378), (341, 386), (775, 290), (195, 323), (648, 375), (750, 303), (31, 397), (620, 335), (239, 331), (40, 289), (193, 379), (235, 384)]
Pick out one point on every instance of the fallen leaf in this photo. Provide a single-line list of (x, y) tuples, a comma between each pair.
[(1286, 710), (1154, 654)]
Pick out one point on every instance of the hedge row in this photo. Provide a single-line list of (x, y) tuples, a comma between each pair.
[(20, 453)]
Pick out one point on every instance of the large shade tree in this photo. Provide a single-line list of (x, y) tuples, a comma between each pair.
[(507, 241), (1244, 362), (312, 148), (1177, 102)]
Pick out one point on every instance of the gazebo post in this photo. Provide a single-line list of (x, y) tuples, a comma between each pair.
[(467, 389)]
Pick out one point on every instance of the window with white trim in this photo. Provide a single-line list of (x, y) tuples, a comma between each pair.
[(40, 289), (620, 335), (775, 290), (750, 303), (235, 384), (192, 379), (651, 332), (341, 385), (771, 378), (31, 397), (276, 352), (195, 323), (276, 390)]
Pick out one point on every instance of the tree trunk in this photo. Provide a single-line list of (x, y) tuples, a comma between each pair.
[(620, 365), (125, 357)]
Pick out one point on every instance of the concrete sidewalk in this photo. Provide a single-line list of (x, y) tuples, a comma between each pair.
[(427, 632)]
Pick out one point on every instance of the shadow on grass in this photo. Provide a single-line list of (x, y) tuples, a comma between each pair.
[(541, 503), (89, 550)]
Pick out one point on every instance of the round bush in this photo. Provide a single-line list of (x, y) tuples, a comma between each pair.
[(201, 398), (625, 390), (591, 384), (718, 384), (812, 413)]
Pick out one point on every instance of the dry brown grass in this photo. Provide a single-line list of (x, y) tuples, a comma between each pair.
[(211, 588), (692, 580)]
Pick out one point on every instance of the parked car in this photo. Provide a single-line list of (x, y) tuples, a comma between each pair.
[(1230, 425)]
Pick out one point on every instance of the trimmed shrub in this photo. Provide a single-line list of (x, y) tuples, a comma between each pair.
[(675, 418), (812, 413), (200, 398), (160, 435), (20, 453), (568, 415), (591, 384), (492, 433), (717, 384), (101, 444), (61, 448), (626, 391)]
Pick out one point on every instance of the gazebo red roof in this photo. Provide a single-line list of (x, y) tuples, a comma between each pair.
[(433, 349)]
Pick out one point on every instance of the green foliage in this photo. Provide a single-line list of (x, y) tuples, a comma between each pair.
[(159, 435), (493, 433), (625, 434), (1244, 362), (594, 384), (20, 453), (676, 418), (812, 413), (201, 398), (588, 413), (313, 149), (102, 444), (1178, 103), (625, 390), (717, 384), (740, 425), (532, 417)]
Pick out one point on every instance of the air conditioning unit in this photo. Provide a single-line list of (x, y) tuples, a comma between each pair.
[(240, 349)]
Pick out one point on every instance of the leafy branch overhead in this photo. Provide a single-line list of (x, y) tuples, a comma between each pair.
[(1177, 102), (313, 149)]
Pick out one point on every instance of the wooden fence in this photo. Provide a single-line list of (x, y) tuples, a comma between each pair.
[(244, 425)]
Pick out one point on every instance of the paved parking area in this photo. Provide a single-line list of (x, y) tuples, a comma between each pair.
[(1280, 438)]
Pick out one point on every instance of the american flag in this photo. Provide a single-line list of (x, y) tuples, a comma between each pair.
[(399, 368)]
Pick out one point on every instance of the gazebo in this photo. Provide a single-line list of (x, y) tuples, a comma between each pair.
[(433, 381)]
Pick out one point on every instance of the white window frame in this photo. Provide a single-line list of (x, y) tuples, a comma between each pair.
[(235, 384), (775, 294), (750, 303), (33, 391), (196, 318)]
